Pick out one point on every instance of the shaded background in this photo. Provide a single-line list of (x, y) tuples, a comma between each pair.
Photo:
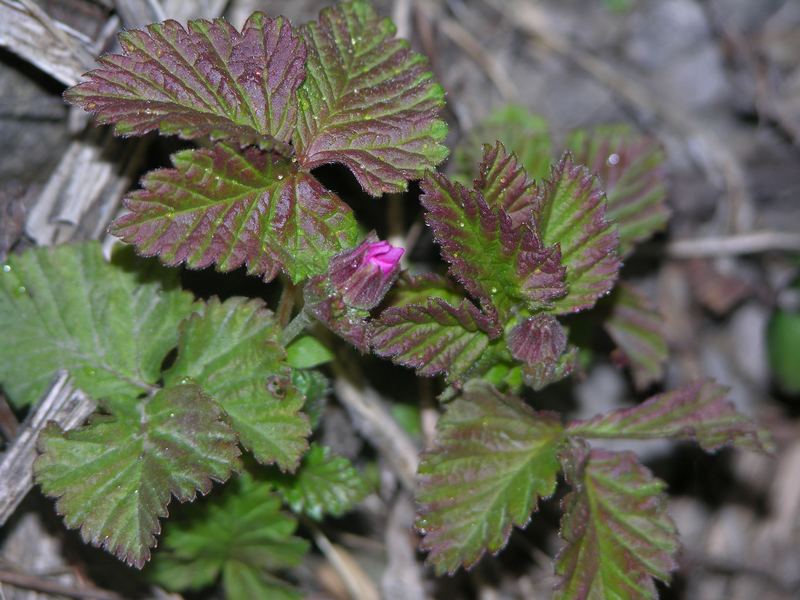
[(716, 81)]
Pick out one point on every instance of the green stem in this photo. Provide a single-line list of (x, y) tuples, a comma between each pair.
[(295, 327)]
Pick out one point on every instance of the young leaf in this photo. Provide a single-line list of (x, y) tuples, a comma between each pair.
[(494, 458), (240, 534), (329, 308), (570, 210), (698, 412), (231, 350), (323, 485), (631, 170), (307, 352), (617, 531), (524, 134), (499, 265), (232, 207), (367, 101), (504, 183), (113, 477), (435, 337), (209, 80), (109, 325), (635, 326), (416, 289), (539, 343)]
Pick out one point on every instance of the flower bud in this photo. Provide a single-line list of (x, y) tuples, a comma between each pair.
[(363, 275)]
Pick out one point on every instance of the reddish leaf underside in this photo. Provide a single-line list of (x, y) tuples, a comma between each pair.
[(207, 80), (570, 210), (616, 528), (698, 412), (539, 343), (230, 208), (494, 458), (368, 101), (498, 264), (435, 337)]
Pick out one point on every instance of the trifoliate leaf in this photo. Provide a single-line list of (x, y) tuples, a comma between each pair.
[(113, 477), (209, 80), (231, 350), (505, 184), (635, 326), (570, 210), (494, 458), (416, 289), (367, 101), (617, 531), (435, 337), (240, 534), (524, 134), (109, 325), (631, 171), (498, 264), (698, 412), (232, 207), (324, 484), (307, 352)]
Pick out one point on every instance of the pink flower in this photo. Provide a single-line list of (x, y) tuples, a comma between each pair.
[(363, 275)]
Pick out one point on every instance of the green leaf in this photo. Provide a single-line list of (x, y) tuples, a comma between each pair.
[(231, 207), (435, 337), (635, 325), (631, 170), (109, 325), (367, 101), (416, 289), (499, 264), (209, 80), (526, 135), (617, 531), (113, 477), (504, 183), (698, 412), (241, 534), (323, 485), (783, 345), (231, 349), (307, 352), (315, 388), (570, 210), (494, 458)]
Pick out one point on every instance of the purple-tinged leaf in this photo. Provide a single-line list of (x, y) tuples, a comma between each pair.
[(635, 326), (539, 342), (363, 275), (616, 528), (416, 289), (231, 208), (114, 476), (698, 412), (524, 134), (435, 337), (231, 350), (210, 80), (494, 458), (538, 339), (539, 375), (368, 101), (498, 264), (503, 182), (631, 169), (570, 210), (328, 307)]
